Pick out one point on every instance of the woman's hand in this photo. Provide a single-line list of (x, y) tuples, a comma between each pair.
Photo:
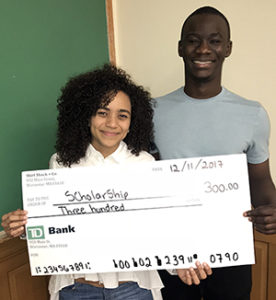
[(193, 276), (14, 222)]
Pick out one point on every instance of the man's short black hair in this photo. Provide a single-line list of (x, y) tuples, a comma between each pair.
[(208, 10)]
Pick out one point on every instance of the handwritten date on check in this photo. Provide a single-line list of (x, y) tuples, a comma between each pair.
[(156, 215)]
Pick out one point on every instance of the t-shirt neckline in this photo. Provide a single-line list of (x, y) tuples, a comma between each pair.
[(206, 100)]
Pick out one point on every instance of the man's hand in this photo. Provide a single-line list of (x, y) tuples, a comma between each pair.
[(14, 222), (263, 218), (193, 276)]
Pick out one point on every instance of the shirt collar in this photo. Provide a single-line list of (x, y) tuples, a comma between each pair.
[(117, 156), (195, 100)]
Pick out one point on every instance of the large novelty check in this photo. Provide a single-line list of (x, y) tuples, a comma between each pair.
[(156, 215)]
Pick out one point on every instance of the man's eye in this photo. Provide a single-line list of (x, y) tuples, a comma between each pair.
[(193, 41), (215, 41)]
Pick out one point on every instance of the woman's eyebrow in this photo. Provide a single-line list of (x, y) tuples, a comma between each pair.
[(125, 110), (120, 110)]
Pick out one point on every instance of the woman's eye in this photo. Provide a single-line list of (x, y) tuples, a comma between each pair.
[(123, 116), (101, 113)]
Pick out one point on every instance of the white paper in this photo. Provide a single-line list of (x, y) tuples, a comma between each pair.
[(156, 215)]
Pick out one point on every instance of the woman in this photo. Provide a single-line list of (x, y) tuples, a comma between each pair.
[(104, 118)]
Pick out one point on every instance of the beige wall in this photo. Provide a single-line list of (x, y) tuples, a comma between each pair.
[(146, 36)]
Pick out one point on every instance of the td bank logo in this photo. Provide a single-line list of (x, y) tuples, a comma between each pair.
[(35, 233)]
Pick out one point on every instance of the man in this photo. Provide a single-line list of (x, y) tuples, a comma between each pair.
[(202, 119)]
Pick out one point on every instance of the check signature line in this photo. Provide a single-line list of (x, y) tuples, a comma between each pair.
[(125, 210)]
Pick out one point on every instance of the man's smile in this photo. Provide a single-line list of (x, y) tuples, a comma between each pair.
[(202, 63)]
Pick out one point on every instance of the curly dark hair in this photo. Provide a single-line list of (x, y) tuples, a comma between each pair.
[(83, 95)]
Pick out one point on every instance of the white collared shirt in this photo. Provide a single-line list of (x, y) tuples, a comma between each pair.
[(145, 279)]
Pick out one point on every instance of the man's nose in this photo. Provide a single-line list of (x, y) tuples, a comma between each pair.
[(203, 47)]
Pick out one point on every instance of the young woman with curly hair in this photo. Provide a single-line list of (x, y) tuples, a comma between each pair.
[(104, 118), (81, 99)]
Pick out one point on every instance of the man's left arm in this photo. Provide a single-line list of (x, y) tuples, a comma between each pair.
[(263, 198)]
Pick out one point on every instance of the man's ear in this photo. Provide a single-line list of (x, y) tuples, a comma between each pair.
[(229, 49), (180, 48)]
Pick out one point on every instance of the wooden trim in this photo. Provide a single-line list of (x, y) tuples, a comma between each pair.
[(3, 236), (110, 31), (15, 275), (11, 247)]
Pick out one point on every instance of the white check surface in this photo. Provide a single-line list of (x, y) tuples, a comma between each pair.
[(156, 215)]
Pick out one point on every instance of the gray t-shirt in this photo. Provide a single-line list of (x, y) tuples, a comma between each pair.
[(224, 124)]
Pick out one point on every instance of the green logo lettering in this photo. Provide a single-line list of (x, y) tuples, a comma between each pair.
[(35, 233)]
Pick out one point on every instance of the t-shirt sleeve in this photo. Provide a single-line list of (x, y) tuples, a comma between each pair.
[(258, 151)]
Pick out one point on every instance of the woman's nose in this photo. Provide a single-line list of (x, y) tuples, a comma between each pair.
[(111, 121)]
